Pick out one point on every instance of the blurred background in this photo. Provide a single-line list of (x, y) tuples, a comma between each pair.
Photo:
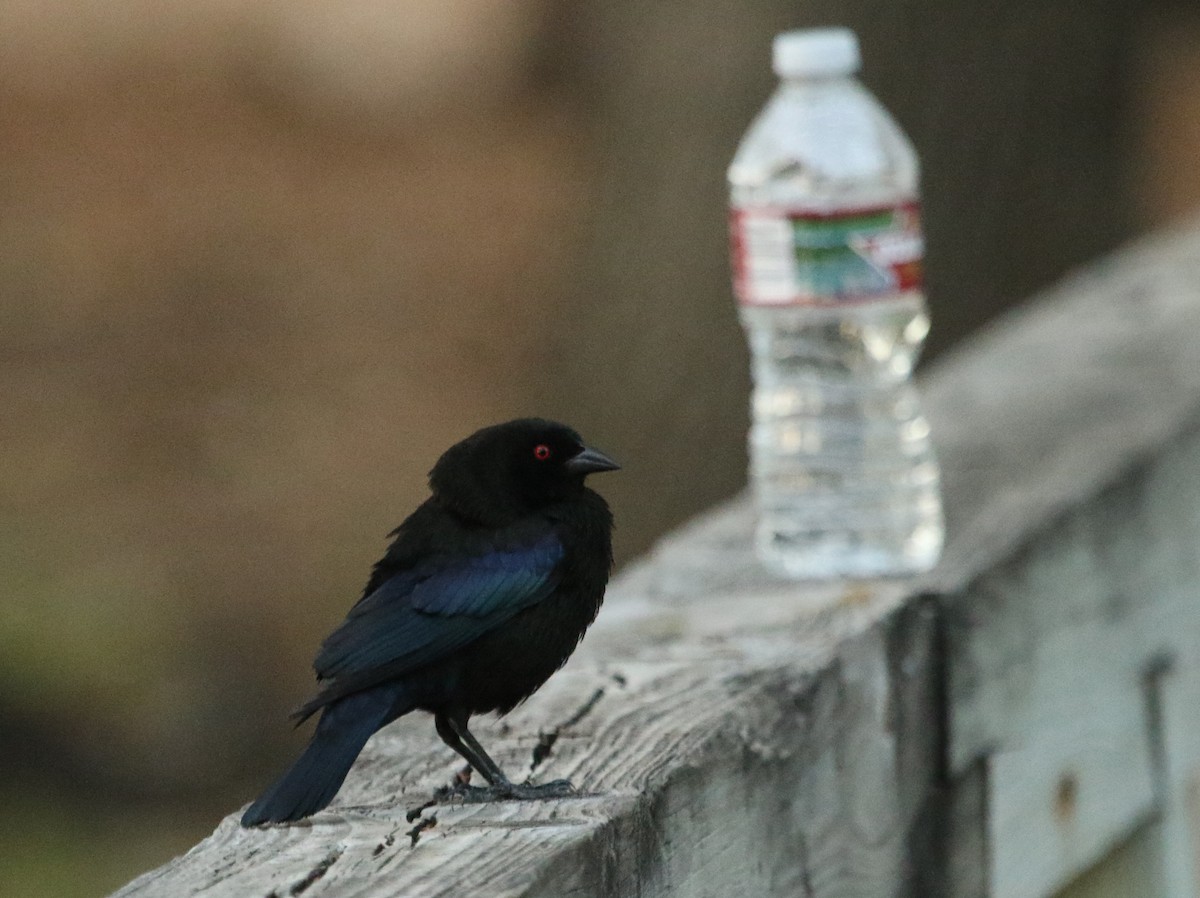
[(261, 262)]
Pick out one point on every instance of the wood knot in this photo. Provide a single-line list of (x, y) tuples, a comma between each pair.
[(1066, 798)]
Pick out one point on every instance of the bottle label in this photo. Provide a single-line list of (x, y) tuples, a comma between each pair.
[(787, 256)]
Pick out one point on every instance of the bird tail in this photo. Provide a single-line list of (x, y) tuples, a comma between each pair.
[(319, 772)]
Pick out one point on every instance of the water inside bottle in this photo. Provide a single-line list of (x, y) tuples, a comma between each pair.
[(842, 465)]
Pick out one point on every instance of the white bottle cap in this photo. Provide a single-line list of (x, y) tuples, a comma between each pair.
[(815, 52)]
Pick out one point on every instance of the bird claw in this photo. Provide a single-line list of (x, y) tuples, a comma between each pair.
[(467, 794), (545, 791), (460, 791)]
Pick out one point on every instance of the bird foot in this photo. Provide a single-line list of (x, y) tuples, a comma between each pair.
[(467, 794), (543, 791)]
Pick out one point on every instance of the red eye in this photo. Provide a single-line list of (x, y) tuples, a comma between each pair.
[(541, 452)]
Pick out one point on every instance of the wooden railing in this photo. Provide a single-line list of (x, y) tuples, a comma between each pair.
[(1025, 718)]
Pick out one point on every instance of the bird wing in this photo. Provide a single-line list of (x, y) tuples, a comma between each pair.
[(421, 614)]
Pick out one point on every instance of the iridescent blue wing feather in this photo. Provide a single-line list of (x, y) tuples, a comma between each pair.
[(419, 615)]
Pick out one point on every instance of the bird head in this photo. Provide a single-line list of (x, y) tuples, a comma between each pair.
[(506, 470)]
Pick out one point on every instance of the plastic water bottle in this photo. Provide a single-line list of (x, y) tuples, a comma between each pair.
[(827, 250)]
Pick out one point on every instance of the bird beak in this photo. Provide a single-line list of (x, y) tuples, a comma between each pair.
[(589, 461)]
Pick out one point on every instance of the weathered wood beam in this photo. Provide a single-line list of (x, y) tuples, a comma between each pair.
[(991, 730)]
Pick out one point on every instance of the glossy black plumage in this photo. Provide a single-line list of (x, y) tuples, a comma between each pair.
[(485, 592)]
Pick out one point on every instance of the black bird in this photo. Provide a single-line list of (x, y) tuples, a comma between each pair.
[(484, 593)]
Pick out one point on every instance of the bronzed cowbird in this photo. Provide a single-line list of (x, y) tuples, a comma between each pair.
[(484, 593)]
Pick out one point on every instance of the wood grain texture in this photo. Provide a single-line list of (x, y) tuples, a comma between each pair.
[(1072, 637), (992, 730), (688, 737)]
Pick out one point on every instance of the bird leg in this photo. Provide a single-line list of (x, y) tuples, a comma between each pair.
[(453, 730)]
